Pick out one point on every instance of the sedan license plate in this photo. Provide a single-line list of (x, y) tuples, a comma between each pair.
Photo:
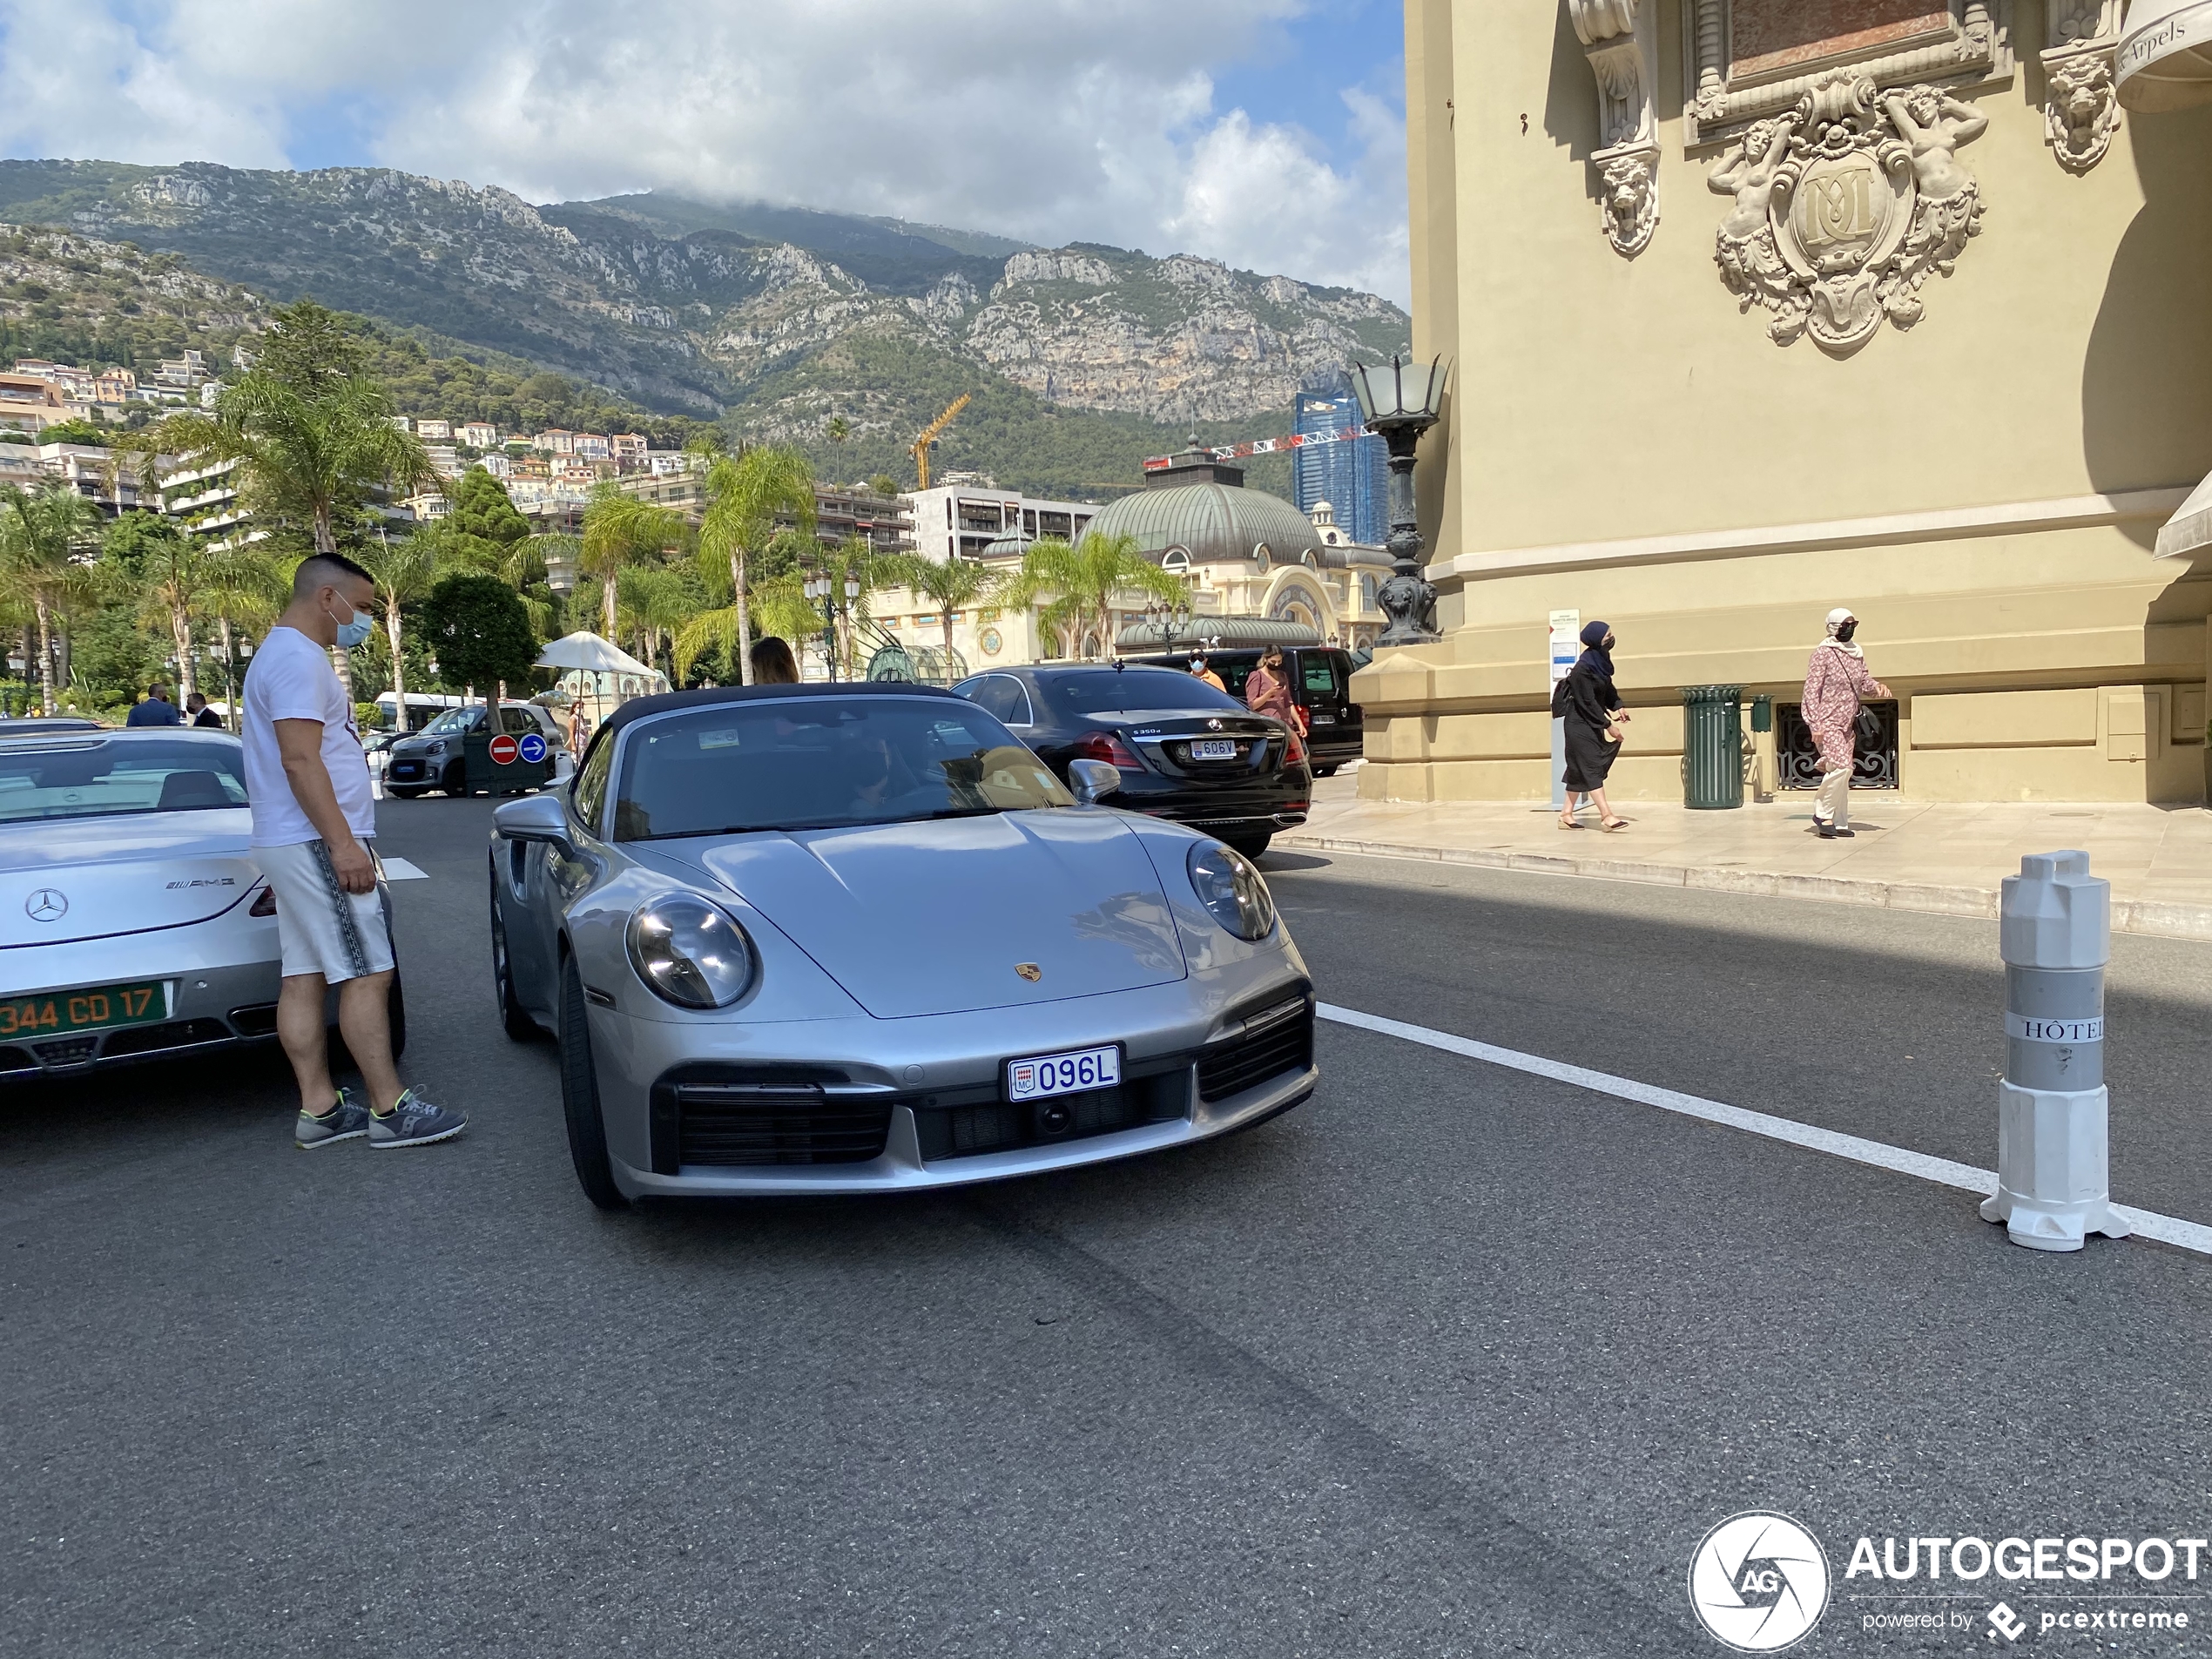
[(1213, 749), (1073, 1073), (54, 1012)]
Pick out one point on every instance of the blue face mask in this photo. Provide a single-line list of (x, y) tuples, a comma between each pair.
[(356, 632)]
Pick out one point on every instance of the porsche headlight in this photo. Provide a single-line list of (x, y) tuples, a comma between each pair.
[(1231, 888), (691, 952)]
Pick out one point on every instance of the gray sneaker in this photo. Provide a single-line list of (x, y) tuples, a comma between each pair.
[(346, 1120), (413, 1122)]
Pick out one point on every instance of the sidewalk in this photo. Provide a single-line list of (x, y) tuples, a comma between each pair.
[(1942, 859)]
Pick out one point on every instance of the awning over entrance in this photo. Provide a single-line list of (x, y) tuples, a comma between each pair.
[(2165, 56), (2189, 531)]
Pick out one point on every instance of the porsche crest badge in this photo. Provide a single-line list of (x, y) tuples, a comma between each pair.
[(1029, 971)]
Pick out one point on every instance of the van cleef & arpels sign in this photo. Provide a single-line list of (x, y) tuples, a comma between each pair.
[(1844, 207)]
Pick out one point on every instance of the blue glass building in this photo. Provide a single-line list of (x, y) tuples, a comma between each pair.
[(1353, 478)]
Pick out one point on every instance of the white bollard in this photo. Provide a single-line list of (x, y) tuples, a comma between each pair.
[(2054, 1169)]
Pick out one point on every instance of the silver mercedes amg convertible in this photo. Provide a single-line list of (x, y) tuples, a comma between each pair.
[(857, 938)]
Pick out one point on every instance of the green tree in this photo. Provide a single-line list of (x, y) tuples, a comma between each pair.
[(405, 572), (147, 556), (47, 536), (1074, 589), (311, 350), (480, 631), (245, 589), (484, 511), (619, 531), (76, 431), (747, 496), (884, 484), (956, 584)]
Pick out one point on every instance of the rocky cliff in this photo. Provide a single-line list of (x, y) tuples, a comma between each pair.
[(665, 302)]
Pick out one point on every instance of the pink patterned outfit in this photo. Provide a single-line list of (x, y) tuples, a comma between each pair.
[(1836, 681)]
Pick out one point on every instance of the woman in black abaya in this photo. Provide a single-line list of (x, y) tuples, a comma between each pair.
[(1594, 716)]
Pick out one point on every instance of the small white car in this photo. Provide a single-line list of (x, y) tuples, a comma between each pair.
[(134, 923)]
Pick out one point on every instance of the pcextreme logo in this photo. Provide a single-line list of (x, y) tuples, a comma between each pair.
[(1759, 1583)]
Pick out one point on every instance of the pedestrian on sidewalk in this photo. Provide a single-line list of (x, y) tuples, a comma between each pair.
[(1591, 708), (196, 705), (314, 827), (1268, 690), (1835, 682)]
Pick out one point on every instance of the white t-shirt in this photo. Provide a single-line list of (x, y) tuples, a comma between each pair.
[(291, 678)]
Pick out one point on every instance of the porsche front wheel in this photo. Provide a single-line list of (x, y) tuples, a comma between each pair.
[(580, 1097)]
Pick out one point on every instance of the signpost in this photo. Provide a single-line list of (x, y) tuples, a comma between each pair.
[(505, 751), (1566, 646)]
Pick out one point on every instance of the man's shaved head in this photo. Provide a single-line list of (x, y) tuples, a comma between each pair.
[(325, 571)]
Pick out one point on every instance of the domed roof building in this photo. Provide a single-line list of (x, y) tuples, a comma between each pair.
[(1250, 553)]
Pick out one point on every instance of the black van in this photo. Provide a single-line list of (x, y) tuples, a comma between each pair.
[(1320, 678)]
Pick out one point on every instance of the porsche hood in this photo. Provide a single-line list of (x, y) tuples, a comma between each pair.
[(959, 914)]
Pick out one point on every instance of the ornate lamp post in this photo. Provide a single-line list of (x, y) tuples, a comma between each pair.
[(1166, 621), (1401, 403), (820, 589)]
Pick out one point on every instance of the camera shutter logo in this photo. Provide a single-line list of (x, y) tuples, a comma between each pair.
[(1759, 1583)]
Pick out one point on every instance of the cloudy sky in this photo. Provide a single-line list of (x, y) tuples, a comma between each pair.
[(1269, 133)]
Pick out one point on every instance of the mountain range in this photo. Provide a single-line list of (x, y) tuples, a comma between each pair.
[(1080, 360)]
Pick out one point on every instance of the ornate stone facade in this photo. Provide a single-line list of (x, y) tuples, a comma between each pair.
[(1617, 37), (2081, 104), (1846, 205)]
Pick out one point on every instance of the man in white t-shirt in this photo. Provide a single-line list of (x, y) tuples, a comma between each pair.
[(314, 825)]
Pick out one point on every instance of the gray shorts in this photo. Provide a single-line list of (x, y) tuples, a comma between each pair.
[(324, 929)]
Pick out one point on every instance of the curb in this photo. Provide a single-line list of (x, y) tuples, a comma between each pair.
[(2128, 915)]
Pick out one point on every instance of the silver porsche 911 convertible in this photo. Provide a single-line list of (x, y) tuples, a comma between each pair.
[(854, 937)]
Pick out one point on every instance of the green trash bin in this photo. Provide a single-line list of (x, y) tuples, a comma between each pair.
[(1712, 747)]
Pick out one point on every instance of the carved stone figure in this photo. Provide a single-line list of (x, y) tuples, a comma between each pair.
[(1631, 201), (1844, 207), (2082, 112)]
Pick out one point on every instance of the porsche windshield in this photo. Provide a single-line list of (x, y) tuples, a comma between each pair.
[(821, 762), (102, 778)]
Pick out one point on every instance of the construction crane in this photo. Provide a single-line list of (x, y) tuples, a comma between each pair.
[(934, 431)]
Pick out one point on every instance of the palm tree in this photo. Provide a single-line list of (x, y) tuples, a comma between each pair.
[(779, 605), (247, 589), (746, 496), (308, 457), (310, 451), (1080, 584), (658, 601), (404, 571), (620, 530), (167, 585), (869, 569), (46, 537), (957, 584)]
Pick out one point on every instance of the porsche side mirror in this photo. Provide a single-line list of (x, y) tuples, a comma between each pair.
[(535, 818), (1093, 780)]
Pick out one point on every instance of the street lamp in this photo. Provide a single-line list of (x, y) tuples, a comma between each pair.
[(821, 591), (1166, 621), (1401, 404)]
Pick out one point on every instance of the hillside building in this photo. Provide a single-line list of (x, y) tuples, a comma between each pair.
[(959, 519), (480, 434)]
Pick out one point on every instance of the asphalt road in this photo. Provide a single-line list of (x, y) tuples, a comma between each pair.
[(1452, 1360)]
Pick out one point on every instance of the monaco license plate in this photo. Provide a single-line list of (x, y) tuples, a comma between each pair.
[(1213, 749), (1073, 1073), (53, 1012)]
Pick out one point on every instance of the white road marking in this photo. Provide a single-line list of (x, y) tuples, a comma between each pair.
[(2169, 1229), (400, 870)]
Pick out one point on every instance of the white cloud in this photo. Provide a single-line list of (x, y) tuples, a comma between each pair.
[(1052, 120)]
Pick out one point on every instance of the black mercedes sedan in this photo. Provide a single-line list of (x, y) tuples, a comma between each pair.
[(1186, 752)]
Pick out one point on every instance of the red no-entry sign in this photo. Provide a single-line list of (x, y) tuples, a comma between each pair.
[(503, 750)]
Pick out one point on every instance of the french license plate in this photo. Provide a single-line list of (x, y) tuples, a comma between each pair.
[(1073, 1073), (1213, 749), (53, 1012), (1324, 719)]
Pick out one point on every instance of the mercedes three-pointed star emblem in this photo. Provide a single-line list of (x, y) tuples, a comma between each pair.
[(48, 904)]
